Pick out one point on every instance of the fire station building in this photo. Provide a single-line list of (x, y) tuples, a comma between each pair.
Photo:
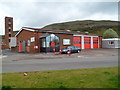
[(37, 40)]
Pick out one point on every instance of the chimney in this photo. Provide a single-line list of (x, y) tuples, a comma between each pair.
[(8, 30)]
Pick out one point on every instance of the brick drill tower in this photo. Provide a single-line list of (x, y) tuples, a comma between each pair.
[(8, 30)]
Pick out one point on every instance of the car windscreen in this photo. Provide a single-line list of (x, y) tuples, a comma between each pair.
[(70, 47), (77, 48)]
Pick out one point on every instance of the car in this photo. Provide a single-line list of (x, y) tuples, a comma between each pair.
[(72, 49)]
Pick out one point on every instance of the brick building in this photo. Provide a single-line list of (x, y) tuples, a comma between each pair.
[(36, 40)]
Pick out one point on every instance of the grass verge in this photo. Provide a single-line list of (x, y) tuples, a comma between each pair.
[(79, 78)]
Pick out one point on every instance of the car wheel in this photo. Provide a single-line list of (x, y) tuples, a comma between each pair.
[(68, 52), (78, 51)]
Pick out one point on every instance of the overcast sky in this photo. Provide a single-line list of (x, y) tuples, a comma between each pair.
[(39, 14)]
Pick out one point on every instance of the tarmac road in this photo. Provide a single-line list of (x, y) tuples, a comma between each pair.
[(58, 64)]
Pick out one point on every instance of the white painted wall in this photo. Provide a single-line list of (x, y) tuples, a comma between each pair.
[(91, 42), (82, 42), (13, 41), (105, 43)]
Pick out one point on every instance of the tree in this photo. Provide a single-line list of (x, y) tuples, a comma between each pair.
[(110, 33)]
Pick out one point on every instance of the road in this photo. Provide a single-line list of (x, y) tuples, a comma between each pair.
[(58, 64)]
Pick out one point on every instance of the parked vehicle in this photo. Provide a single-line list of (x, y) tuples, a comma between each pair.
[(72, 49)]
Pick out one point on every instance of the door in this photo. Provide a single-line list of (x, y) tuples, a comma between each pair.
[(95, 42), (23, 46), (77, 41), (87, 42), (42, 45), (20, 47)]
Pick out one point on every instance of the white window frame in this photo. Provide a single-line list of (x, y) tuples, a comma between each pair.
[(32, 39), (28, 42), (109, 42), (66, 42)]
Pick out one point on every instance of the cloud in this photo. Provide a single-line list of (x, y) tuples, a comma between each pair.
[(39, 14), (60, 1)]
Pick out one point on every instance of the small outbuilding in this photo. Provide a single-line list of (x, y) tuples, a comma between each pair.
[(111, 43)]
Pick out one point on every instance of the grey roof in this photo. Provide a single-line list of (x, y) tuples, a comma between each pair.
[(44, 35), (53, 31)]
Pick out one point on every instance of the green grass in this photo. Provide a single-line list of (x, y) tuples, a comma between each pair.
[(0, 81), (80, 78)]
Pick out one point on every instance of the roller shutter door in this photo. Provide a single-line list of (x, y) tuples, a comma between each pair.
[(77, 41), (87, 42), (95, 42)]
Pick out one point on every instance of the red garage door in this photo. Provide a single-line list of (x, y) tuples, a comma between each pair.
[(87, 42), (20, 47), (77, 41), (95, 42)]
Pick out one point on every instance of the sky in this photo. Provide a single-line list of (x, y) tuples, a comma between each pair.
[(41, 13)]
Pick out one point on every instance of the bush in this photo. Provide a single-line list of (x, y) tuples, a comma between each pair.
[(110, 33)]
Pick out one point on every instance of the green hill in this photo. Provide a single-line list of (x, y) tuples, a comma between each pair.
[(91, 26)]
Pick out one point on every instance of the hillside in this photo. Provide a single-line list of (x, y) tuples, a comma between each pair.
[(95, 27)]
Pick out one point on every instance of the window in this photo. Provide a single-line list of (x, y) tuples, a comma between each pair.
[(52, 38), (9, 35), (111, 42), (9, 20), (70, 47), (77, 40), (9, 25), (9, 30), (95, 40), (66, 41), (48, 40), (43, 42), (9, 40), (87, 42), (77, 47), (32, 39), (28, 42)]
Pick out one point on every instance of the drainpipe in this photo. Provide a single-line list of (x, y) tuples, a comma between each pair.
[(36, 41)]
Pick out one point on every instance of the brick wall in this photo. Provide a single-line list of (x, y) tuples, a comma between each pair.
[(65, 36), (8, 30), (100, 41), (25, 35)]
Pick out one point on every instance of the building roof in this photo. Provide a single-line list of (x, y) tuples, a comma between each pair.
[(44, 35), (111, 39), (52, 31)]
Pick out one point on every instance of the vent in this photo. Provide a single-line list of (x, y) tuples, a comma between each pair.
[(86, 32), (68, 30)]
